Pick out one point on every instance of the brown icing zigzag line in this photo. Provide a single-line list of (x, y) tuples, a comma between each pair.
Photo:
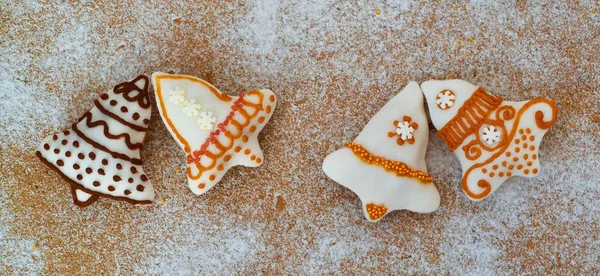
[(119, 119), (103, 148), (77, 186), (90, 124), (126, 87)]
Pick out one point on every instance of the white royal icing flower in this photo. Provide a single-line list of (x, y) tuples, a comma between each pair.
[(491, 135), (206, 120), (177, 95), (405, 131), (191, 108), (445, 99)]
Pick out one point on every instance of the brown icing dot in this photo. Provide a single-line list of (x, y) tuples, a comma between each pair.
[(79, 177), (146, 121), (127, 192), (113, 102), (130, 180), (88, 170), (60, 163), (116, 178), (111, 188), (140, 188), (144, 177), (104, 162), (46, 146), (123, 109), (81, 156), (104, 96), (76, 144), (68, 154), (101, 171), (54, 137), (76, 166), (64, 142), (96, 183), (133, 170), (119, 166), (92, 156), (66, 132), (136, 116), (57, 151)]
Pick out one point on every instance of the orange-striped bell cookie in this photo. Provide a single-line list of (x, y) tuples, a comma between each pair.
[(217, 131), (492, 138)]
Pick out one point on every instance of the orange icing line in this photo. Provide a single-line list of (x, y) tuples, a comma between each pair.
[(469, 118), (397, 167), (539, 120), (224, 149)]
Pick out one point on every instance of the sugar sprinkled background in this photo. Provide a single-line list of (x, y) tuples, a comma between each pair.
[(333, 65)]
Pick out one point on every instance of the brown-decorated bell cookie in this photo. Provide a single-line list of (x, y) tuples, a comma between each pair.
[(100, 154)]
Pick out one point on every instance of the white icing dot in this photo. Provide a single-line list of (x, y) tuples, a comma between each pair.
[(191, 108), (405, 131), (177, 95), (445, 99), (491, 135), (206, 120)]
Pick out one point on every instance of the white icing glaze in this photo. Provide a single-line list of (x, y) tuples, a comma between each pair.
[(92, 170), (82, 196), (206, 170), (498, 159), (373, 184)]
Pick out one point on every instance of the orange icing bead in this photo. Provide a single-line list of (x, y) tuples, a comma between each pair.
[(400, 168), (376, 211)]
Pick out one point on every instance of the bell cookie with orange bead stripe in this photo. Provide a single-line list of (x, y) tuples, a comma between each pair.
[(217, 131), (493, 139), (385, 164)]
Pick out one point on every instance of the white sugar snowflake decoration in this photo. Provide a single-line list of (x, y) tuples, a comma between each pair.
[(177, 95), (491, 135), (206, 120), (445, 99), (191, 108), (405, 130)]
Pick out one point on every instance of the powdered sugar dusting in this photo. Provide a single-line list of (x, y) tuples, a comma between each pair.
[(332, 64)]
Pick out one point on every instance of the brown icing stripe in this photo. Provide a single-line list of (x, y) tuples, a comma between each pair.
[(129, 86), (76, 186), (103, 148), (469, 118), (90, 124), (119, 119)]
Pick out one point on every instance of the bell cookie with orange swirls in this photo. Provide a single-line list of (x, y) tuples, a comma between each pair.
[(493, 139), (385, 164), (217, 131), (99, 156)]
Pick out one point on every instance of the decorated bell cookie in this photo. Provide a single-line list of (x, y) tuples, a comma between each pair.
[(385, 165), (217, 131), (100, 154), (492, 138)]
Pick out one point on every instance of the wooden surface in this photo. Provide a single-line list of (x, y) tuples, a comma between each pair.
[(332, 65)]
